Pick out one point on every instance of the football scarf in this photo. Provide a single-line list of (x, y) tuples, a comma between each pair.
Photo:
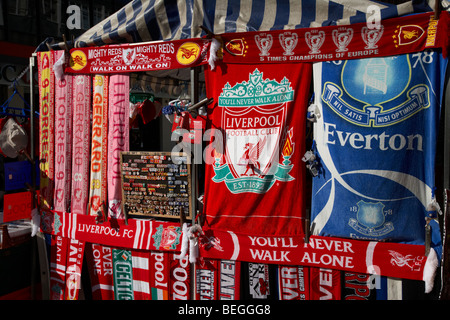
[(358, 286), (63, 141), (118, 139), (58, 257), (293, 282), (99, 152), (46, 128), (159, 275), (141, 274), (325, 284), (75, 257), (229, 280), (100, 265), (62, 179), (81, 144), (376, 141), (409, 33), (206, 279), (254, 173), (180, 278), (123, 274)]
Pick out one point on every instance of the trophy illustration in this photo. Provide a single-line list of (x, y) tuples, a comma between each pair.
[(288, 41), (371, 36), (341, 38), (314, 41), (264, 43)]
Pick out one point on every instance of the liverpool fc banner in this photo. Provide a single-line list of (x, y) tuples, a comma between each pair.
[(254, 176), (376, 140)]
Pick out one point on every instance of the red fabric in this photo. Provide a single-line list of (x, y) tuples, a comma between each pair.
[(180, 278), (141, 274), (293, 282), (99, 261), (254, 185), (58, 264), (389, 259), (206, 279), (159, 275), (229, 281), (75, 256), (325, 284)]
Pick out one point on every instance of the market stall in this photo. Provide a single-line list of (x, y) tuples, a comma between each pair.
[(354, 94)]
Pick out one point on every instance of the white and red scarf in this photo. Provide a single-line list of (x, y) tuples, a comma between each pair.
[(180, 278), (325, 284), (81, 144), (118, 139), (46, 127), (293, 282), (141, 274)]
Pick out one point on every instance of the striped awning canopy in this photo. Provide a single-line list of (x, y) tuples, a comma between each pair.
[(152, 20)]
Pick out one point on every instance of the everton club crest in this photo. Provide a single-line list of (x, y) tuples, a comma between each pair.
[(258, 147), (372, 95)]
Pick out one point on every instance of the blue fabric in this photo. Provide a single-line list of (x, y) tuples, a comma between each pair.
[(184, 18), (376, 144)]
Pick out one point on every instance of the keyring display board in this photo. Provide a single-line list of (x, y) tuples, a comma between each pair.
[(156, 184)]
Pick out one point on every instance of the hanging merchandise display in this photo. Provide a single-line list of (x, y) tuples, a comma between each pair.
[(258, 138), (325, 284), (378, 126)]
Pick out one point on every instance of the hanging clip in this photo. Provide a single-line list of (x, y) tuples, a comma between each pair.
[(311, 163)]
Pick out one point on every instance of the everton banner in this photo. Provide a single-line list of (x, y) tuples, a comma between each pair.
[(254, 178), (376, 140)]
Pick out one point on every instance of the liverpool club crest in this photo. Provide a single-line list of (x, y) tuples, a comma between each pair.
[(258, 146)]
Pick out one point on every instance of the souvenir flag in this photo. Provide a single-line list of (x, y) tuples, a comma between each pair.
[(123, 274), (100, 266), (180, 278), (81, 144), (159, 275), (118, 138), (293, 282), (141, 274), (325, 284), (254, 173), (58, 263), (99, 152), (63, 141), (229, 280), (75, 257), (206, 279), (376, 143), (46, 127)]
